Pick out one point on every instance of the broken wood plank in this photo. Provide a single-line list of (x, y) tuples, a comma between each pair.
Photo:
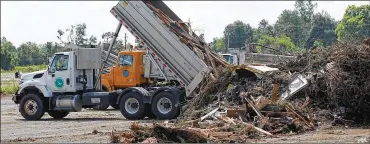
[(254, 108), (262, 102), (291, 108), (209, 114), (221, 134), (274, 96), (258, 129)]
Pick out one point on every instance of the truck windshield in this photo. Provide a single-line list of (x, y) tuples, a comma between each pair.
[(125, 60), (227, 58)]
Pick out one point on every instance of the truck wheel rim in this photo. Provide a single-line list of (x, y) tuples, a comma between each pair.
[(164, 105), (30, 107), (132, 105)]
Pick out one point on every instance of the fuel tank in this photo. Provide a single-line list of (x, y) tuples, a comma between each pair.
[(67, 103)]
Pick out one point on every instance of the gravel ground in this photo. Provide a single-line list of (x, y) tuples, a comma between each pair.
[(79, 127), (76, 127)]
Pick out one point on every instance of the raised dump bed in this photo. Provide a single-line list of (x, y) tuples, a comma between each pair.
[(164, 46)]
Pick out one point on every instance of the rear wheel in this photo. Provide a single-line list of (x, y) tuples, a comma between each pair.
[(165, 105), (58, 114), (132, 106), (32, 107)]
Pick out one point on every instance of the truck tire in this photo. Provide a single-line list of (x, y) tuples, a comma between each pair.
[(165, 105), (148, 112), (58, 114), (31, 107), (132, 106), (100, 107), (115, 106)]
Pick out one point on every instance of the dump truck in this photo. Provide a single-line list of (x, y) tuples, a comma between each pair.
[(147, 82), (162, 72), (66, 86)]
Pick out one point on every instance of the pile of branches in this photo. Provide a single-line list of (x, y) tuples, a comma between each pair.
[(157, 133), (227, 89), (341, 80)]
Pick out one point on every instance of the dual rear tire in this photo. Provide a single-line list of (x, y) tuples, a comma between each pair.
[(164, 105)]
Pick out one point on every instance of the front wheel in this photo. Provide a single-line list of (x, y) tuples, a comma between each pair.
[(58, 114), (31, 107), (165, 105), (132, 106)]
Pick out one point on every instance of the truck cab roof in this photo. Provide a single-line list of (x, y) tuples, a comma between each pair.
[(131, 51)]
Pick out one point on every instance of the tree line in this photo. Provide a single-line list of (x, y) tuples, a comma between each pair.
[(30, 53), (298, 29), (294, 30)]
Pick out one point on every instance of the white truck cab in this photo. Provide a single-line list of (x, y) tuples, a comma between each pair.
[(230, 58), (66, 86)]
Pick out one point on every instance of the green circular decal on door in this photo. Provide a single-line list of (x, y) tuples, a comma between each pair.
[(59, 83)]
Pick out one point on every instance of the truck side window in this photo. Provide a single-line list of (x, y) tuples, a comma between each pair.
[(125, 60), (62, 62)]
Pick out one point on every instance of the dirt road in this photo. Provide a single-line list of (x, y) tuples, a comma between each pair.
[(80, 126)]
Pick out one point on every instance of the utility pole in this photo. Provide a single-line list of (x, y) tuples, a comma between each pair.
[(125, 41), (228, 43)]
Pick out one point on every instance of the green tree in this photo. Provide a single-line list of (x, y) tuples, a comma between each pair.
[(281, 45), (306, 9), (323, 29), (265, 28), (218, 44), (80, 34), (118, 45), (8, 54), (355, 24), (92, 40), (318, 43), (31, 54), (237, 34), (291, 24), (76, 34), (107, 36)]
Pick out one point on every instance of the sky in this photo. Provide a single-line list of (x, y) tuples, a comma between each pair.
[(38, 21)]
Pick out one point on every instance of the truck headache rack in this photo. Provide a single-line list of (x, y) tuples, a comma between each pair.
[(162, 44)]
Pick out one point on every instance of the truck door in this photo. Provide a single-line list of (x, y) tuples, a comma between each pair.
[(59, 74), (124, 74)]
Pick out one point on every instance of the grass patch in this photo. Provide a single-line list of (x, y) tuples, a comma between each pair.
[(9, 82), (9, 89), (9, 86), (26, 69)]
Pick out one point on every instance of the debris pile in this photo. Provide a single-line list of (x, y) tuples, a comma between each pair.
[(340, 81), (321, 85)]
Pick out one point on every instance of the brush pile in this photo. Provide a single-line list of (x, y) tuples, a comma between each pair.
[(234, 108), (340, 82)]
